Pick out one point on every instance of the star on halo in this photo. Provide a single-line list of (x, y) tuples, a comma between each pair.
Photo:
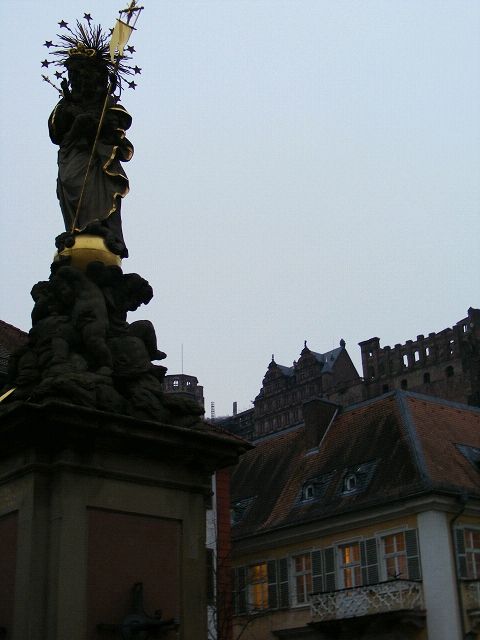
[(130, 49), (63, 24), (87, 17), (137, 70), (132, 84), (45, 63), (58, 75), (48, 44)]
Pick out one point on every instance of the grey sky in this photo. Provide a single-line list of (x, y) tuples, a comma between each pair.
[(303, 170)]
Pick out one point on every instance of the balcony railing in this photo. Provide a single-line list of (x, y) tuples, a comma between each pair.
[(394, 595)]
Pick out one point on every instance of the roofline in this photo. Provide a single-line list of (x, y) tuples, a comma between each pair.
[(416, 445), (416, 396), (339, 520)]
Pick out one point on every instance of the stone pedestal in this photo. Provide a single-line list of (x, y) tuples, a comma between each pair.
[(92, 503)]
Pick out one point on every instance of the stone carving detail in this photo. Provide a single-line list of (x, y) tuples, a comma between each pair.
[(82, 350)]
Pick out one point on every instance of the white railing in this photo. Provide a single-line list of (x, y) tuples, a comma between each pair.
[(394, 595)]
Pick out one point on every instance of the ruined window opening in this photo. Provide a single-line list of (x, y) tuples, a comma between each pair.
[(405, 360), (426, 378), (417, 356), (404, 384), (449, 371), (385, 388)]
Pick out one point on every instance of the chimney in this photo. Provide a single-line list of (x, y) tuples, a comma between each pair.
[(317, 416), (234, 408)]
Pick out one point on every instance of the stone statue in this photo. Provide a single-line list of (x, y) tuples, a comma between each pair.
[(89, 124), (91, 202), (81, 348)]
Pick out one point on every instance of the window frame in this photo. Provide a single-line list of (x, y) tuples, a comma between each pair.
[(383, 555), (293, 575), (472, 550), (355, 565)]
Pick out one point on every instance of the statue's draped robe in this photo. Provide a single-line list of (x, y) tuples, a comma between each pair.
[(106, 183)]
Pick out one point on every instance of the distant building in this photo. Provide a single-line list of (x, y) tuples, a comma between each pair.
[(444, 364), (184, 386)]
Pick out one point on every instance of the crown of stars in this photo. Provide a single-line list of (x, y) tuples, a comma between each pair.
[(86, 36)]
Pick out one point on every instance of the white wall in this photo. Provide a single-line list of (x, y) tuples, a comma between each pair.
[(439, 578)]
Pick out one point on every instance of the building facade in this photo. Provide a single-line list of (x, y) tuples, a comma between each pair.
[(362, 522)]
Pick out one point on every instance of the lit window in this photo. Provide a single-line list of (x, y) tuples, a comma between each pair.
[(302, 577), (176, 383), (395, 556), (350, 570), (405, 360), (472, 553), (258, 586)]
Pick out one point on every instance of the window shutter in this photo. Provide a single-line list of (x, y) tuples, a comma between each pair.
[(413, 558), (282, 569), (317, 577), (461, 555), (329, 569), (239, 593), (272, 584), (369, 559)]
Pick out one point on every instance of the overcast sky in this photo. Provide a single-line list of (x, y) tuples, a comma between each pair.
[(303, 169)]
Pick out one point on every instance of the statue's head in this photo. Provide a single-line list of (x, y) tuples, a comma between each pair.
[(93, 59), (87, 76)]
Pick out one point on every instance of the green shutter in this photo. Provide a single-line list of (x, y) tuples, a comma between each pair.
[(272, 584), (329, 569), (413, 557), (461, 555), (369, 559), (282, 571), (239, 592), (317, 577)]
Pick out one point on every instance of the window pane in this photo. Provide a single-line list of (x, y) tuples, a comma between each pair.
[(389, 544), (300, 589), (476, 539), (400, 542), (402, 570)]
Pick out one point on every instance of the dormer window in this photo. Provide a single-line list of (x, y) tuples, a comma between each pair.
[(239, 509), (472, 454), (349, 483), (315, 487), (356, 479), (308, 491)]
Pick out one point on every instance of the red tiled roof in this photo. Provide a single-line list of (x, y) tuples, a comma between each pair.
[(10, 339), (411, 438)]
